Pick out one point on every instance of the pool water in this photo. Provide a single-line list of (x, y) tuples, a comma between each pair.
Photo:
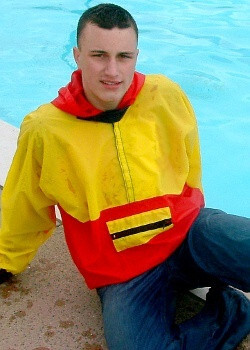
[(202, 45)]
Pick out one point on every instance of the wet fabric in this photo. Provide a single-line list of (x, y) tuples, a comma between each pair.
[(128, 191), (140, 314)]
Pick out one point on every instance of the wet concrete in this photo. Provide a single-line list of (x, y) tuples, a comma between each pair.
[(49, 307)]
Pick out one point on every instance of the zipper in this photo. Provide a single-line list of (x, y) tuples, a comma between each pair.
[(123, 163)]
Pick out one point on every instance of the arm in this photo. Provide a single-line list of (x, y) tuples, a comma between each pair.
[(193, 149), (28, 216)]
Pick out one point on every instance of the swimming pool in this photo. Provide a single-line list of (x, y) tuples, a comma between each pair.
[(203, 45)]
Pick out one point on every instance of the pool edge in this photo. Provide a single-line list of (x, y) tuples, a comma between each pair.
[(8, 142)]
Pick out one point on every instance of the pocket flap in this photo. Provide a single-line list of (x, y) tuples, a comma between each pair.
[(138, 229)]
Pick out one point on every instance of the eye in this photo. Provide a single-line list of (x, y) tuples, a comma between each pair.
[(126, 55), (98, 55)]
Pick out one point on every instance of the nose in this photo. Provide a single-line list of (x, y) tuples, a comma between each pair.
[(111, 68)]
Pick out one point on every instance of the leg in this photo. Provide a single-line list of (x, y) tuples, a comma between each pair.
[(219, 243), (216, 253), (226, 313), (138, 314)]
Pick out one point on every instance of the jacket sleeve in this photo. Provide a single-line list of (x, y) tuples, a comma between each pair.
[(192, 142), (27, 215)]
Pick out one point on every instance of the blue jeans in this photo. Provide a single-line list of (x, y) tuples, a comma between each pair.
[(140, 314)]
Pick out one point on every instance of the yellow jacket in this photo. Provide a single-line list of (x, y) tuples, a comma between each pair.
[(128, 191)]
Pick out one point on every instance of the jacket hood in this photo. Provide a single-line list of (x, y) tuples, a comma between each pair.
[(71, 98)]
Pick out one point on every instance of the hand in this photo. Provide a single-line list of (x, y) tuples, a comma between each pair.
[(5, 276)]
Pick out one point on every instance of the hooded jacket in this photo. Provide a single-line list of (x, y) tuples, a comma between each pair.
[(127, 182)]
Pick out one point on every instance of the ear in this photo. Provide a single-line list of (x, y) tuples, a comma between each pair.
[(76, 54)]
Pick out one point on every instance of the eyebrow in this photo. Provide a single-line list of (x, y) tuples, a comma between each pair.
[(119, 53)]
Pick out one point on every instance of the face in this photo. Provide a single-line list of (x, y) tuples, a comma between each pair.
[(107, 59)]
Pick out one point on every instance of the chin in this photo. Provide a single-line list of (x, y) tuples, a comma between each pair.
[(112, 103)]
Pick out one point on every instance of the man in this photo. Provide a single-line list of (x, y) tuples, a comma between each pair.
[(118, 152)]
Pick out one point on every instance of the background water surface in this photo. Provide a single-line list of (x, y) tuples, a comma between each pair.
[(202, 45)]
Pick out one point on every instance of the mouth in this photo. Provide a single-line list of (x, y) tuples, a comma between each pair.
[(111, 84)]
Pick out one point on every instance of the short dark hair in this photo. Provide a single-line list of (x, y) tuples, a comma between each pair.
[(106, 16)]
